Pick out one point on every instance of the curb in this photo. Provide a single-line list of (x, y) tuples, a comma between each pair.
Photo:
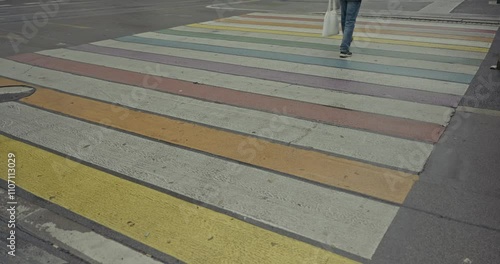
[(15, 92)]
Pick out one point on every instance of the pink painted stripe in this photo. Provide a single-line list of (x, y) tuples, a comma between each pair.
[(379, 24), (388, 125)]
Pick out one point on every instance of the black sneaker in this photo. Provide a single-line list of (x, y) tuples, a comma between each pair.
[(345, 54)]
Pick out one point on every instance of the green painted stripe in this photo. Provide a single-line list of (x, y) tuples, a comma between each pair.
[(319, 46), (338, 63)]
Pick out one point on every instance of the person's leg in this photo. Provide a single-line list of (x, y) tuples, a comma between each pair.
[(352, 10), (343, 6)]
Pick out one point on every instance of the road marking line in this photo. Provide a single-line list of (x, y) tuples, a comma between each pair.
[(69, 25)]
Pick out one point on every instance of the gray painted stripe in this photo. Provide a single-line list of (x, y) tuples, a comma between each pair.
[(327, 47), (286, 77), (338, 63), (345, 221)]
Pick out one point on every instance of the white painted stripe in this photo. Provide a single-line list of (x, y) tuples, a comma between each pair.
[(428, 65), (353, 75), (344, 221), (347, 142), (389, 47), (397, 21), (380, 26), (359, 34), (481, 111), (95, 246)]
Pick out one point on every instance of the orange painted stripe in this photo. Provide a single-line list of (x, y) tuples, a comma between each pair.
[(359, 29), (382, 23), (382, 183)]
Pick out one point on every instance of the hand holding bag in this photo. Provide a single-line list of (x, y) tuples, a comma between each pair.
[(331, 22)]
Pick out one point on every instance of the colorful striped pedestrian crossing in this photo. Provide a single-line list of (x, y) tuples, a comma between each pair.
[(244, 139)]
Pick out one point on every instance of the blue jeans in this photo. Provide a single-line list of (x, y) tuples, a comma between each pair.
[(349, 13)]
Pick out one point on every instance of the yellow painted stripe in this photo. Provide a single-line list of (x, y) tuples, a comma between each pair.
[(339, 37), (359, 29), (183, 230), (347, 174)]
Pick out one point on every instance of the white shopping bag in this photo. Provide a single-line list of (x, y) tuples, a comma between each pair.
[(331, 22)]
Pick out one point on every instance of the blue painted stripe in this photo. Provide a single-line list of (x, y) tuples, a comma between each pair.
[(338, 63), (327, 47)]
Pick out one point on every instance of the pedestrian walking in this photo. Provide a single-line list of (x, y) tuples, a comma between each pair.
[(349, 10)]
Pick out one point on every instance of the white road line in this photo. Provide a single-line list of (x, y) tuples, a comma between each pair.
[(228, 6)]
